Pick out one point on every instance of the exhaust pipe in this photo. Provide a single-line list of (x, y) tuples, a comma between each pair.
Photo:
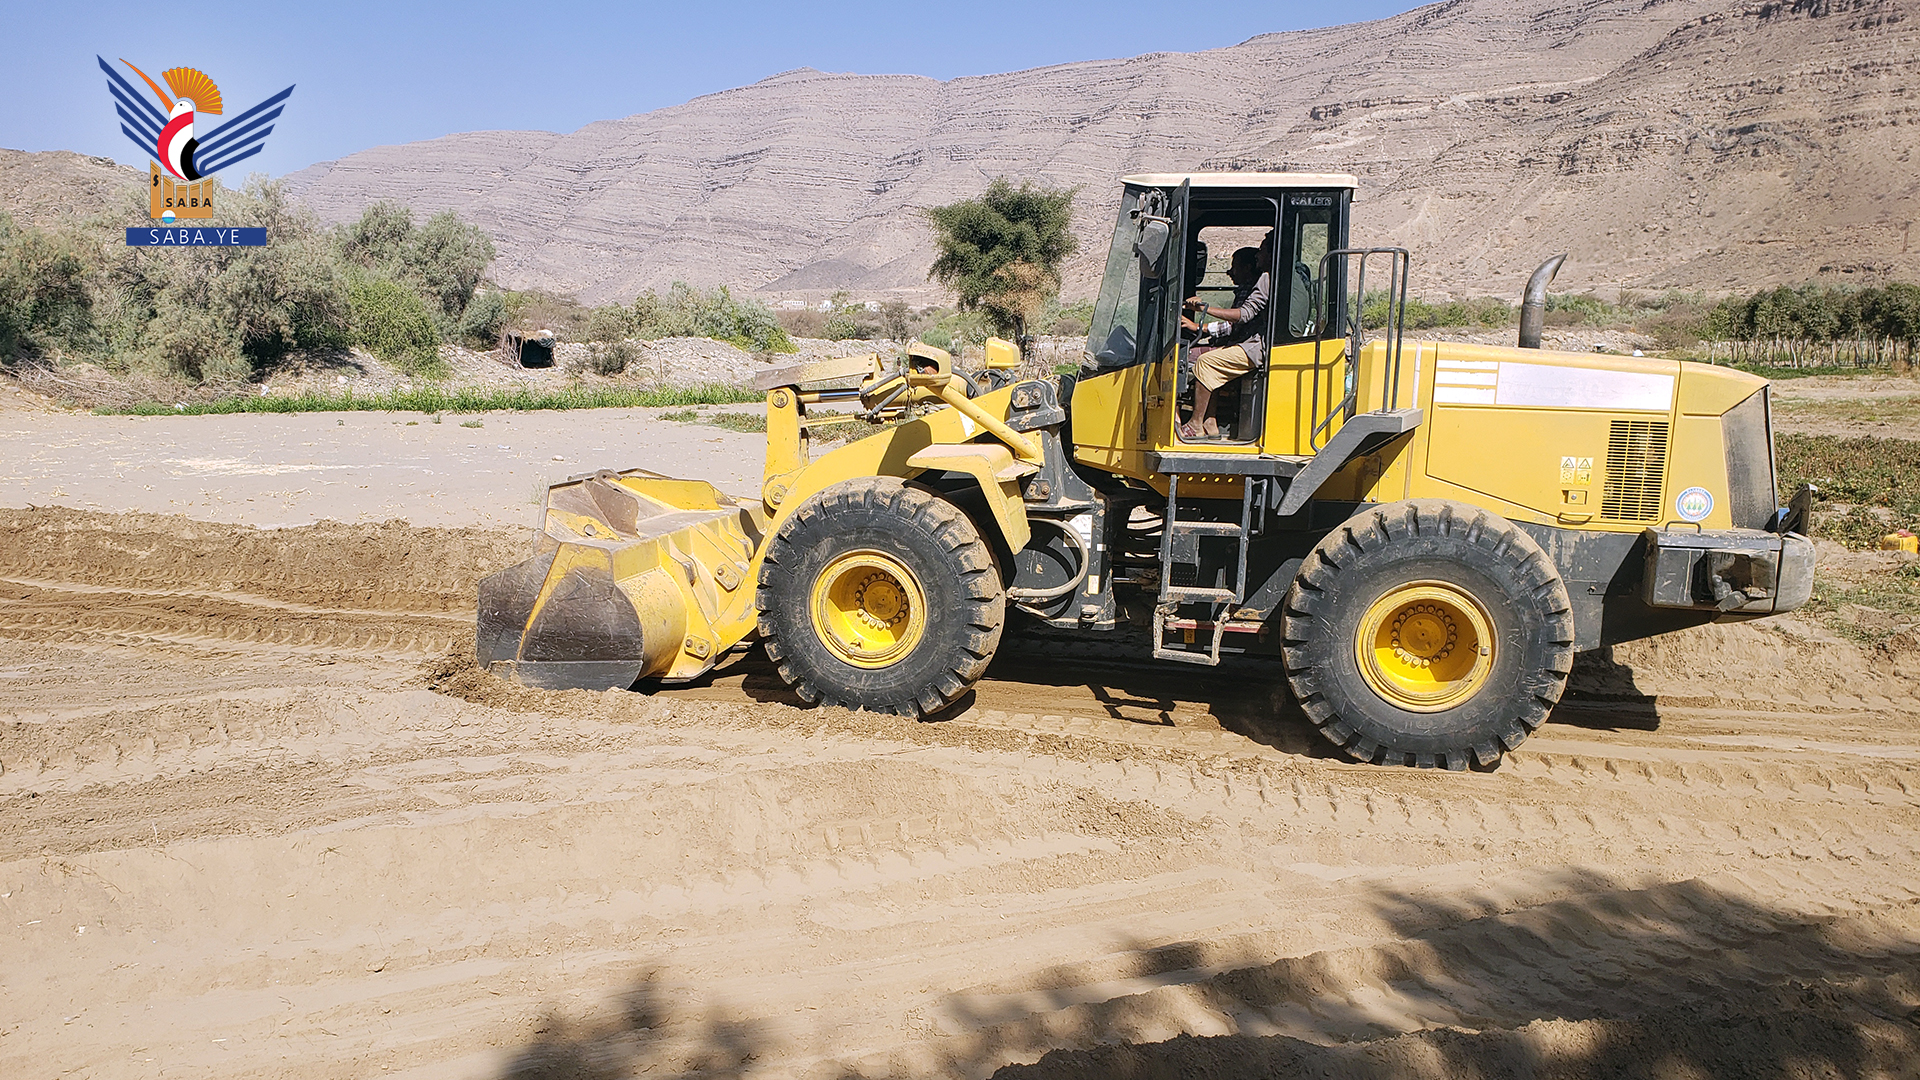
[(1533, 306)]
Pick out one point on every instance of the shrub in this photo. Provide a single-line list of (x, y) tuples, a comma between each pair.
[(1071, 321), (484, 319), (1565, 310), (221, 313), (377, 241), (1870, 474), (1424, 315), (689, 312), (804, 322), (391, 322), (192, 342), (446, 259), (612, 357), (843, 322), (896, 320), (610, 323), (44, 301), (959, 330), (443, 260)]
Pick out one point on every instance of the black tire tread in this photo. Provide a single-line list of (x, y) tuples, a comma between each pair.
[(1307, 609), (967, 556)]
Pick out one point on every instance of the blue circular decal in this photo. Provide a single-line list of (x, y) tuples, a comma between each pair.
[(1694, 504)]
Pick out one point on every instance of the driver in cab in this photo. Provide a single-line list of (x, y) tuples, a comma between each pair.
[(1241, 346)]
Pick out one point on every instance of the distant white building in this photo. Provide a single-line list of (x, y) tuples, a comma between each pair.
[(791, 305)]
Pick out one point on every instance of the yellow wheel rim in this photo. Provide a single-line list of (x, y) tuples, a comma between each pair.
[(868, 608), (1425, 646)]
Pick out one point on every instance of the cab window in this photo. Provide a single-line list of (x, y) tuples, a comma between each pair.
[(1116, 311), (1307, 237)]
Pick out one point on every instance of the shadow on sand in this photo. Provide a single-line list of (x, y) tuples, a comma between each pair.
[(1669, 982)]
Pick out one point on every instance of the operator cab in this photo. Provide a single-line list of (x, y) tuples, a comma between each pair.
[(1175, 238)]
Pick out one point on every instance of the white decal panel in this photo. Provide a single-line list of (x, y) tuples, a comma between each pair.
[(1543, 386)]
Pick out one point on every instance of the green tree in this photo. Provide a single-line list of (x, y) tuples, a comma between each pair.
[(1001, 253), (379, 239), (446, 259), (1895, 313), (220, 314)]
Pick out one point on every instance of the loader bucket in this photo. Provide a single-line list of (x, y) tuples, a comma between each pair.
[(635, 576)]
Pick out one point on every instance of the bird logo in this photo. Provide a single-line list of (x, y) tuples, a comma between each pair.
[(168, 132), (195, 93)]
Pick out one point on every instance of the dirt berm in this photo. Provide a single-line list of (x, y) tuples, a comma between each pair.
[(262, 818)]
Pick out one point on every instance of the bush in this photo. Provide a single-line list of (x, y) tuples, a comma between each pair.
[(219, 314), (442, 260), (896, 320), (610, 323), (191, 342), (377, 241), (611, 357), (1566, 310), (689, 312), (804, 322), (45, 305), (447, 259), (956, 331), (484, 319), (1421, 314), (1867, 473), (533, 309), (1071, 321), (391, 321)]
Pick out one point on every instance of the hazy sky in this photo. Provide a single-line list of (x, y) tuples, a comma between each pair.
[(370, 74)]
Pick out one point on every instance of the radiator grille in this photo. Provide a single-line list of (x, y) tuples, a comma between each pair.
[(1636, 468)]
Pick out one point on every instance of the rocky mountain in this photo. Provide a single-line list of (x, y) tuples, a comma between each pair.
[(53, 187), (1688, 143)]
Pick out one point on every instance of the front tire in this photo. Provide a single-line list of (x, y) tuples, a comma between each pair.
[(1427, 633), (875, 595)]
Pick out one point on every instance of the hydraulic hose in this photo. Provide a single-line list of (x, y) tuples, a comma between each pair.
[(1030, 596)]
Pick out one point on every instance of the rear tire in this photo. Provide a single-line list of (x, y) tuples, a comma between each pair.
[(875, 595), (1427, 633)]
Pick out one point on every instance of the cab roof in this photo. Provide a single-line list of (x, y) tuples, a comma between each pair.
[(1243, 180)]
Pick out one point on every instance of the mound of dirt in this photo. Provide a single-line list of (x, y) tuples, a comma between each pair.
[(1789, 659), (390, 566)]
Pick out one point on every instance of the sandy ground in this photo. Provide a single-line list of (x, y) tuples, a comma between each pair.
[(263, 819), (273, 470)]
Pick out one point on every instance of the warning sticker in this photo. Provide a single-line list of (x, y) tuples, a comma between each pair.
[(1576, 470)]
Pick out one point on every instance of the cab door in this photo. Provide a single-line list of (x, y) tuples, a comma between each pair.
[(1308, 290), (1121, 406)]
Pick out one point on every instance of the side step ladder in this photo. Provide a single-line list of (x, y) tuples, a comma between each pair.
[(1253, 519)]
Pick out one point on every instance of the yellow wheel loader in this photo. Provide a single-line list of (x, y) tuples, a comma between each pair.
[(1416, 536)]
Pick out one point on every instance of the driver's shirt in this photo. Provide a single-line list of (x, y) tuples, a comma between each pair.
[(1252, 304)]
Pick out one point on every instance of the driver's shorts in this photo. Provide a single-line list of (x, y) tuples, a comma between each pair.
[(1216, 368)]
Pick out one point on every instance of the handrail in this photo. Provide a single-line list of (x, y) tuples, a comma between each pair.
[(1399, 262)]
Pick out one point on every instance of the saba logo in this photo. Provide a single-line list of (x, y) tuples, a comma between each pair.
[(180, 183)]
